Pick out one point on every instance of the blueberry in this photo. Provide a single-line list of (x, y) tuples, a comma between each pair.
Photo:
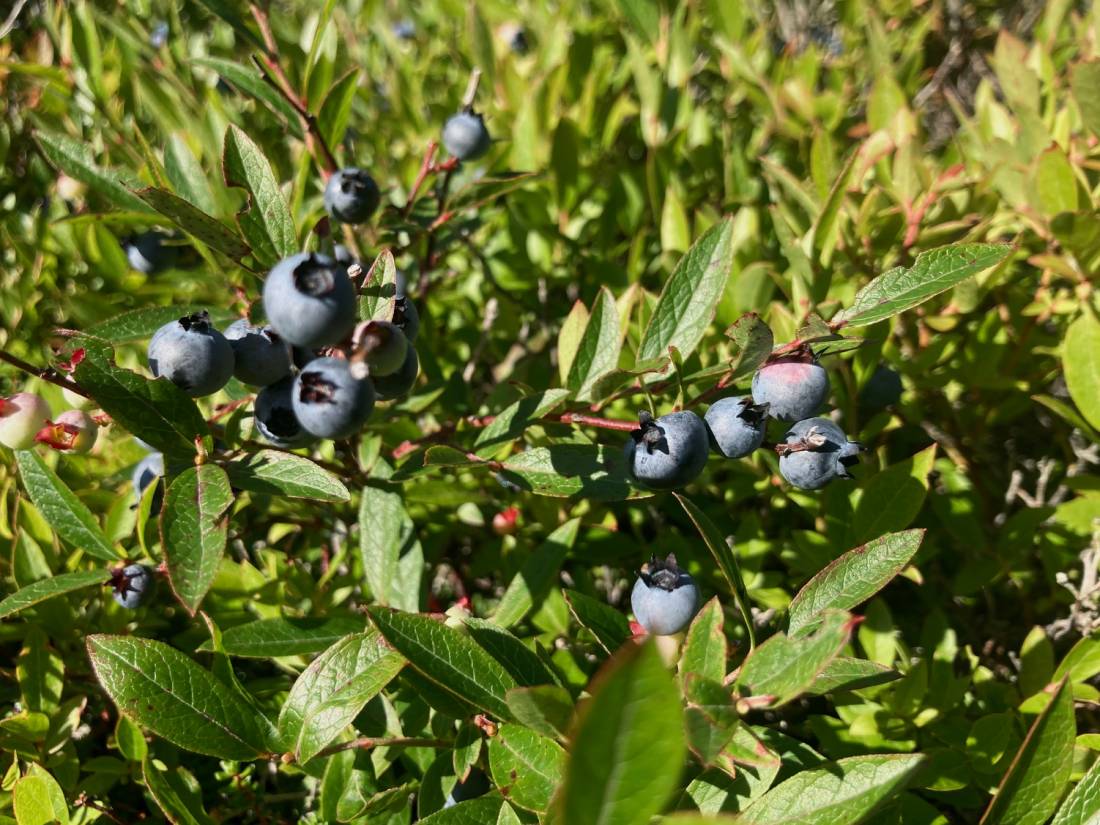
[(147, 471), (736, 426), (192, 355), (398, 383), (274, 418), (131, 584), (406, 317), (148, 253), (302, 356), (386, 347), (159, 36), (310, 301), (668, 452), (815, 452), (514, 35), (329, 401), (474, 785), (883, 389), (261, 357), (664, 598), (21, 417), (465, 136), (351, 195), (793, 386), (74, 431), (404, 29)]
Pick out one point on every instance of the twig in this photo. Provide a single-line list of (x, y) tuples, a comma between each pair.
[(314, 139), (9, 24), (369, 742), (46, 374), (426, 167)]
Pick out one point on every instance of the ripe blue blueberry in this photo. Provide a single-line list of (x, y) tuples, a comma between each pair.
[(404, 29), (465, 136), (664, 598), (329, 401), (192, 355), (159, 36), (793, 386), (131, 584), (310, 301), (386, 347), (736, 426), (351, 195), (474, 785), (815, 452), (148, 253), (22, 416), (883, 389), (274, 417), (396, 384), (406, 317), (261, 357), (667, 452)]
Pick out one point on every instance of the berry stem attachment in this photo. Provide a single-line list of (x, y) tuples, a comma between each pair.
[(46, 374), (471, 88), (813, 441)]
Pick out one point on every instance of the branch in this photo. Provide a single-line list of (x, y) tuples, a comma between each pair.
[(46, 374), (369, 742)]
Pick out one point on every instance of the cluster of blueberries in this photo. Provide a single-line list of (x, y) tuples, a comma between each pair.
[(307, 391), (668, 452), (671, 451)]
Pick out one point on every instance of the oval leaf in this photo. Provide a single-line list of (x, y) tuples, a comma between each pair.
[(598, 351), (193, 530), (195, 222), (593, 471), (1082, 806), (64, 512), (267, 638), (854, 577), (265, 221), (285, 474), (628, 746), (691, 295), (783, 668), (44, 589), (525, 766), (1081, 361), (530, 586), (163, 690), (837, 793), (448, 658)]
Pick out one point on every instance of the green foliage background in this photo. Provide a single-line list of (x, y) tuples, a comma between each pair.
[(841, 139)]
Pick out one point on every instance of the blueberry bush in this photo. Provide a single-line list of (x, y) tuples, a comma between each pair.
[(614, 413)]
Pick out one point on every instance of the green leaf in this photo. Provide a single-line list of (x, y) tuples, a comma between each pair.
[(448, 658), (546, 709), (643, 16), (63, 511), (158, 412), (186, 175), (727, 562), (176, 792), (285, 474), (1081, 361), (784, 667), (892, 498), (854, 577), (1084, 82), (43, 589), (598, 351), (250, 81), (608, 625), (754, 342), (38, 799), (471, 812), (845, 673), (163, 690), (333, 689), (521, 662), (1055, 182), (265, 220), (844, 792), (934, 271), (1082, 806), (711, 721), (593, 471), (704, 652), (569, 338), (526, 767), (195, 222), (268, 638), (510, 424), (74, 158), (691, 295), (381, 516), (376, 298), (336, 109), (530, 586), (1030, 790), (193, 525), (40, 671), (1082, 662), (825, 231), (628, 746), (142, 323)]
